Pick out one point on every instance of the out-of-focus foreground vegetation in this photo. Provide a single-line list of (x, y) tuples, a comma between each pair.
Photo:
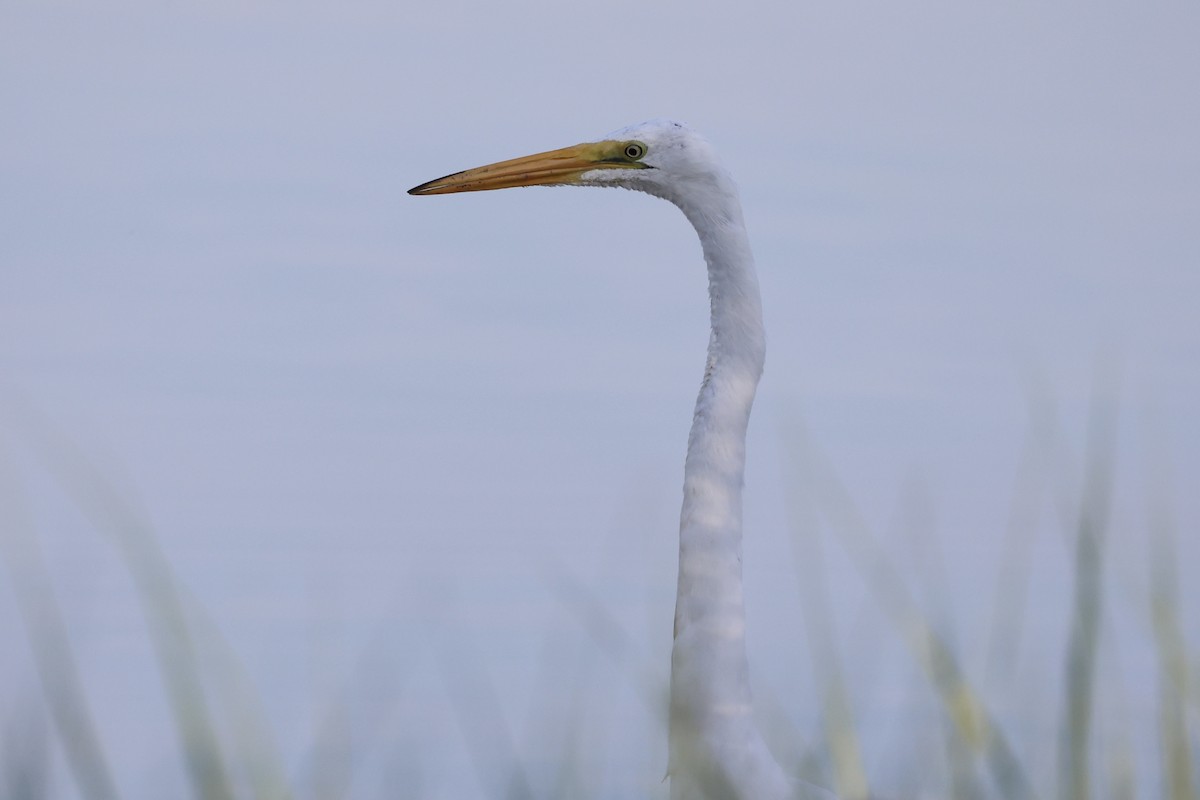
[(974, 744)]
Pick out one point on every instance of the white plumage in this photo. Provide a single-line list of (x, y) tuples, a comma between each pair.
[(716, 749)]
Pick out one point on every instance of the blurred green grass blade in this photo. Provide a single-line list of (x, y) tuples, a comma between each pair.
[(374, 687), (841, 737), (975, 725), (1173, 678), (570, 777), (25, 756), (1011, 592), (964, 782), (252, 746), (1172, 686), (920, 532), (1122, 780), (565, 721), (1090, 539), (481, 721), (51, 646), (1074, 768), (841, 733), (162, 606), (615, 642)]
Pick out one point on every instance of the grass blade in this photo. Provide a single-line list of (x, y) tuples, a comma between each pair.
[(841, 734), (161, 600), (1080, 676), (966, 710), (51, 646)]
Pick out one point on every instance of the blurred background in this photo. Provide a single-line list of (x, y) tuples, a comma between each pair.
[(310, 487)]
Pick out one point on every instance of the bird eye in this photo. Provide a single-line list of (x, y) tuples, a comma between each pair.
[(635, 150)]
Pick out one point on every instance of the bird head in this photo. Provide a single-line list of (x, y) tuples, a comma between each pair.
[(654, 157)]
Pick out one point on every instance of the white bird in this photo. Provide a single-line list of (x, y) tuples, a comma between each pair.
[(716, 749)]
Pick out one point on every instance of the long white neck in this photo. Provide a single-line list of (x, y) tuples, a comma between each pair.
[(715, 747)]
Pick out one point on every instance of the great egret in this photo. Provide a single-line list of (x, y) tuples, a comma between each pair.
[(715, 747)]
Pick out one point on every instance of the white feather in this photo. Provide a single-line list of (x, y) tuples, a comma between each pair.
[(715, 746)]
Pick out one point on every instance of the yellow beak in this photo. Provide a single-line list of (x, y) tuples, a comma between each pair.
[(563, 166)]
